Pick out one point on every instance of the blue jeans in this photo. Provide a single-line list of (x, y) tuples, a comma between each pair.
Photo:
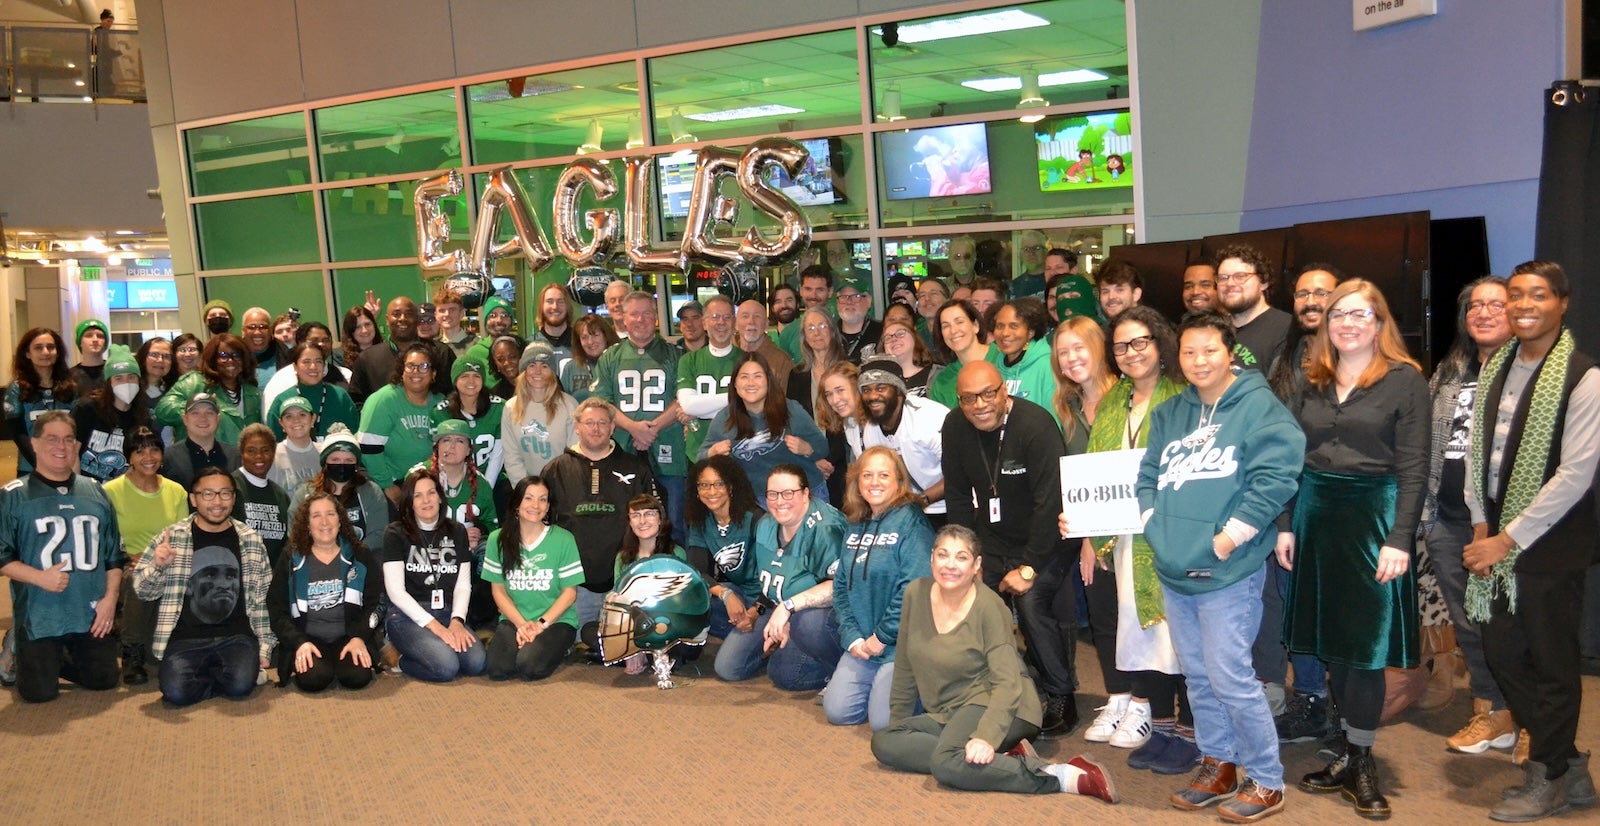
[(588, 606), (673, 489), (794, 667), (1212, 634), (859, 691), (1446, 542), (193, 670), (424, 656)]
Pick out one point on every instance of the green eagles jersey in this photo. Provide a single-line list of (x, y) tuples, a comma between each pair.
[(643, 384), (487, 452), (703, 372), (49, 528), (542, 572)]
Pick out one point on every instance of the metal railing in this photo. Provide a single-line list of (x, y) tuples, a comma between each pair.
[(77, 63)]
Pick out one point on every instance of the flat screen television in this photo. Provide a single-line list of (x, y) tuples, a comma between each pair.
[(939, 248), (817, 184), (913, 248), (1088, 151), (915, 269), (936, 162), (891, 249), (675, 183)]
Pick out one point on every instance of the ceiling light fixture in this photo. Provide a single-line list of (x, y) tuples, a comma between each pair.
[(635, 133), (679, 129), (767, 110), (989, 22), (1012, 84), (113, 260), (1031, 98), (891, 106), (591, 139)]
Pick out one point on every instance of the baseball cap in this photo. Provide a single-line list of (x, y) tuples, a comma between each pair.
[(294, 403), (691, 307), (200, 400)]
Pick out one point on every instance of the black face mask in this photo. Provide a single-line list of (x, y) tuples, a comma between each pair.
[(339, 474), (219, 325)]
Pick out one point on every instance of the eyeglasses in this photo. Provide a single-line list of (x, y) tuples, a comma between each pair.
[(188, 351), (818, 327), (785, 495), (852, 296), (711, 486), (224, 355), (898, 335), (1351, 316), (1225, 277), (719, 317), (58, 441), (986, 396), (644, 516), (258, 328), (215, 495), (594, 423), (1138, 345), (1302, 295), (158, 357), (1486, 307), (418, 367)]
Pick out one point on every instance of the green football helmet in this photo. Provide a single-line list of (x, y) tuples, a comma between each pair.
[(659, 602)]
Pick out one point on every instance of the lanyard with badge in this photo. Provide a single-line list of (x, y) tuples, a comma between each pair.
[(994, 469)]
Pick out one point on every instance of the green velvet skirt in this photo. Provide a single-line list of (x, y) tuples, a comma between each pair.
[(1336, 608)]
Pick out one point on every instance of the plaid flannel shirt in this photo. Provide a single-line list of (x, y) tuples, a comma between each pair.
[(169, 584)]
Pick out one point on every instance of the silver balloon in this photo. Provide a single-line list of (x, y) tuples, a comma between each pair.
[(795, 233), (603, 222), (433, 225), (473, 287), (642, 256), (502, 193), (588, 285), (709, 208)]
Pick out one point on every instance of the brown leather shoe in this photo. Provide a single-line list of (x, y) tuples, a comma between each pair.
[(1519, 752), (1253, 802), (1215, 782)]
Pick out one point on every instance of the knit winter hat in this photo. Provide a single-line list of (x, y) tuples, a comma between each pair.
[(85, 326), (493, 303), (882, 370), (537, 350), (216, 303), (339, 438), (471, 361)]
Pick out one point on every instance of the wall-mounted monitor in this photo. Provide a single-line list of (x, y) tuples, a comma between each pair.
[(939, 248), (1091, 151), (936, 162), (913, 248), (818, 183), (142, 295), (675, 183)]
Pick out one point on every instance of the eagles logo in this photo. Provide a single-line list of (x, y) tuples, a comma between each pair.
[(738, 281), (588, 285), (474, 288), (658, 603), (1200, 436)]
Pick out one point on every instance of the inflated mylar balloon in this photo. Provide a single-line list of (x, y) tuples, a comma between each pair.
[(642, 257), (472, 286), (739, 282), (433, 225), (795, 233), (503, 194), (709, 208), (588, 285), (602, 222), (658, 603)]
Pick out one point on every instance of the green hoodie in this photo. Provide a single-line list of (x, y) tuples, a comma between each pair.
[(1030, 378)]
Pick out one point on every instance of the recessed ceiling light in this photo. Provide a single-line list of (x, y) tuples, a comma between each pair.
[(746, 113), (972, 24), (1012, 84)]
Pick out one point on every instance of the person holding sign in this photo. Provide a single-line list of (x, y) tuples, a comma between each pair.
[(1225, 456), (1145, 351)]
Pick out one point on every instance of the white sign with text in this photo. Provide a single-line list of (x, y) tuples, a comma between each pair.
[(1097, 493), (1371, 14)]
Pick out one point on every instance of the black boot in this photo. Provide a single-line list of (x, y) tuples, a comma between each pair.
[(1361, 785), (1331, 778), (133, 672), (1060, 716)]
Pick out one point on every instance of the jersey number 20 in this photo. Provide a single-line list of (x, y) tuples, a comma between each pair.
[(85, 553)]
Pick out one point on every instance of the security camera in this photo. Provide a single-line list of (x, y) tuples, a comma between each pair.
[(891, 35)]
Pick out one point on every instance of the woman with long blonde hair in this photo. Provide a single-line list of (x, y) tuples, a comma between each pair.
[(1083, 375)]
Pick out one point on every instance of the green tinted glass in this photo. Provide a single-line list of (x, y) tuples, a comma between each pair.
[(257, 232), (562, 113), (412, 133), (262, 153), (379, 221), (350, 286), (275, 293)]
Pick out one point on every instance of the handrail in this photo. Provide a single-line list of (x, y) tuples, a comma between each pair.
[(46, 62)]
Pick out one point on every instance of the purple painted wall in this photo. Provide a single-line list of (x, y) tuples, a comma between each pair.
[(1442, 113)]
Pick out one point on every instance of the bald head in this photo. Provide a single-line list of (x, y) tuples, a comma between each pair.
[(751, 324), (257, 329), (402, 320), (982, 395)]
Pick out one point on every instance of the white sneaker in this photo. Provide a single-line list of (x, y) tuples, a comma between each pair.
[(1105, 723), (1133, 730)]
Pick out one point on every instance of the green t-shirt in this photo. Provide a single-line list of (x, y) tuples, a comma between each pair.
[(547, 567), (142, 515), (703, 372), (395, 434)]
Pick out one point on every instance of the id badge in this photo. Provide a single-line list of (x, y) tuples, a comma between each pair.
[(438, 598), (994, 510), (664, 454)]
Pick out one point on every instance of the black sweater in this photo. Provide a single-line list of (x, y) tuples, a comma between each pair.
[(1028, 482)]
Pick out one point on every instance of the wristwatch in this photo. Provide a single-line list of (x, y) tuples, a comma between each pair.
[(1026, 572), (788, 605)]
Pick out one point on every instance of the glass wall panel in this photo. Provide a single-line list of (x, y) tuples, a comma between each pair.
[(350, 287), (50, 63), (563, 113), (275, 293), (262, 153), (379, 221), (1011, 257), (992, 172), (411, 133), (257, 232), (981, 61), (772, 87)]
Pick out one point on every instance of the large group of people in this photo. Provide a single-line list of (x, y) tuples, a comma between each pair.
[(874, 502)]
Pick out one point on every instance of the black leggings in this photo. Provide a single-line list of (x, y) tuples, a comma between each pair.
[(1102, 597), (332, 667), (1360, 692), (1168, 695)]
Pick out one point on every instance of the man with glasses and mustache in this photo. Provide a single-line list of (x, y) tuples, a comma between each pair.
[(1002, 479), (1030, 283), (1244, 278), (858, 330)]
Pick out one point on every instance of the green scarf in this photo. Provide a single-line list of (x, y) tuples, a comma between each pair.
[(1110, 428), (1527, 474)]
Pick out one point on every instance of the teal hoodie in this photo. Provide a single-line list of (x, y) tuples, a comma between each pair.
[(1030, 378), (1241, 460), (880, 558)]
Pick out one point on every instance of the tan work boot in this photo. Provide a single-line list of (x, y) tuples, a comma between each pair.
[(1486, 730), (1519, 754)]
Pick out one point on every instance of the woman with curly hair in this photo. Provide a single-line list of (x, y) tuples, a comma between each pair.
[(325, 588), (228, 372), (721, 515), (41, 380)]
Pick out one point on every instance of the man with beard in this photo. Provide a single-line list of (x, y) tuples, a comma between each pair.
[(60, 547), (1120, 287), (210, 574), (1200, 287), (691, 327), (858, 330), (375, 366), (783, 309), (555, 323), (269, 353), (1244, 278), (703, 374), (1311, 290), (752, 337), (1030, 283), (911, 426)]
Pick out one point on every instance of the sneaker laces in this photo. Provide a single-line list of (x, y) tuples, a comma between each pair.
[(1478, 727)]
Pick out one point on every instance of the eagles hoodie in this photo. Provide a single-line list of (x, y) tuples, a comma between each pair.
[(881, 556), (1230, 466)]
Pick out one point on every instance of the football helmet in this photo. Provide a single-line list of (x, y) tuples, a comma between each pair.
[(659, 602)]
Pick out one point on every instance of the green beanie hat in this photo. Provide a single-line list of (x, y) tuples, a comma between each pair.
[(473, 361), (493, 303), (216, 303), (85, 326)]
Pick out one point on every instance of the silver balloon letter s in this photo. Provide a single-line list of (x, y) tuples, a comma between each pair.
[(597, 176), (795, 233), (433, 225)]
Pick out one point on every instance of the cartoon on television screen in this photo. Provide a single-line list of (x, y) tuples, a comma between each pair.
[(1092, 151)]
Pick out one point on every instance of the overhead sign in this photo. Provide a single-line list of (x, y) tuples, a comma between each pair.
[(1371, 14), (142, 295)]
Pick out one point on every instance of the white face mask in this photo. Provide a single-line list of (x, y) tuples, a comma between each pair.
[(126, 393)]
